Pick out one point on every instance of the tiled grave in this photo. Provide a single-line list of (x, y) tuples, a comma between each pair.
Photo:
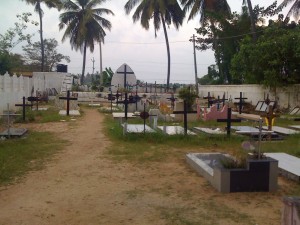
[(173, 130), (295, 111), (71, 112), (289, 165), (117, 115), (17, 132), (282, 130), (209, 130), (138, 128), (248, 130), (297, 127)]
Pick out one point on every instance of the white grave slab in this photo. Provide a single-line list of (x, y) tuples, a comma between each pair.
[(14, 132), (122, 115), (40, 109), (288, 163), (248, 130), (297, 127), (71, 112), (138, 128), (172, 130), (209, 130), (282, 130)]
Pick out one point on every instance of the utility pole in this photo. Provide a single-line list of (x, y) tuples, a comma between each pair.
[(195, 64), (101, 69), (93, 60)]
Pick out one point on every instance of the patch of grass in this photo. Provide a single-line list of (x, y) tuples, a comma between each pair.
[(206, 213), (18, 156)]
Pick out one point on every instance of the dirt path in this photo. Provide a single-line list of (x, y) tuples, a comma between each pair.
[(79, 187), (82, 185)]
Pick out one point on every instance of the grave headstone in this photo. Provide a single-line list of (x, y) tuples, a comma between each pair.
[(68, 98), (228, 121), (241, 102), (24, 105)]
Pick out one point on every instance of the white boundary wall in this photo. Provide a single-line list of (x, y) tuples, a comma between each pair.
[(13, 88), (288, 97)]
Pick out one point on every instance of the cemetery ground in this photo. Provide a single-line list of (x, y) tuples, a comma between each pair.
[(85, 171)]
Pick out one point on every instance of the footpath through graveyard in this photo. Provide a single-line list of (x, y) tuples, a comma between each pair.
[(84, 185)]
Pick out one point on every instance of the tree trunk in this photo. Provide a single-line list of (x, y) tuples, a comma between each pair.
[(83, 64), (253, 28), (168, 51), (41, 36)]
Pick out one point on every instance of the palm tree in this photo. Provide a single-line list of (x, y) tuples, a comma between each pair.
[(162, 12), (84, 25), (294, 10), (202, 7), (38, 9), (252, 18)]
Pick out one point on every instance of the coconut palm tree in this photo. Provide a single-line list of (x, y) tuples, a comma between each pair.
[(294, 10), (201, 7), (162, 12), (84, 25), (38, 9), (252, 18)]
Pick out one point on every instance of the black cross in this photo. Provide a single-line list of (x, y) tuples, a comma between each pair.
[(126, 101), (155, 87), (146, 87), (184, 112), (34, 99), (209, 100), (145, 115), (241, 102), (224, 99), (229, 121), (125, 72), (68, 98), (24, 105), (172, 99)]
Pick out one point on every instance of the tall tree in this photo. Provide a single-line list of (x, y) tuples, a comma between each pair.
[(163, 12), (84, 25), (38, 9), (204, 7), (294, 10), (252, 18)]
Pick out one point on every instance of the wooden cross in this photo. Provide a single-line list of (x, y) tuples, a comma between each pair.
[(125, 72), (68, 98), (24, 105), (229, 121), (172, 99), (184, 112), (241, 102), (126, 102), (34, 99)]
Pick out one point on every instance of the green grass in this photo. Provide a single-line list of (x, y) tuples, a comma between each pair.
[(18, 156)]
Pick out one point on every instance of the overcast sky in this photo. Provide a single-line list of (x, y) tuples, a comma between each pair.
[(127, 43)]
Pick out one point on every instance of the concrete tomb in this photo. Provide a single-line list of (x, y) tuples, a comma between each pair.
[(295, 111), (71, 112), (297, 127), (138, 128), (13, 132), (282, 130), (173, 130), (289, 166), (258, 175), (209, 130)]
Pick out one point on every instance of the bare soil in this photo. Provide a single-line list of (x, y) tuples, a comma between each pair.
[(84, 185)]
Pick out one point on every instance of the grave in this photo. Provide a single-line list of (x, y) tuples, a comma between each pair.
[(295, 111), (24, 105), (297, 127), (209, 130), (258, 175), (137, 128), (214, 113), (123, 77), (289, 166), (119, 115), (174, 130), (241, 102), (254, 132), (282, 130), (228, 120), (71, 113), (68, 98)]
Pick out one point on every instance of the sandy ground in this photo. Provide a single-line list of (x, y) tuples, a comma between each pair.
[(83, 185)]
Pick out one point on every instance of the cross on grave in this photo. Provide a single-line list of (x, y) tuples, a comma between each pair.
[(184, 112), (270, 116), (145, 115), (172, 99), (126, 101), (24, 105), (209, 100), (241, 102), (146, 87), (125, 72), (9, 114), (68, 98), (229, 121), (34, 99), (224, 99)]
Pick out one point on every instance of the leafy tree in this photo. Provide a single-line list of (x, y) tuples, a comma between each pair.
[(273, 60), (162, 12), (16, 34), (33, 54), (84, 25), (38, 9)]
